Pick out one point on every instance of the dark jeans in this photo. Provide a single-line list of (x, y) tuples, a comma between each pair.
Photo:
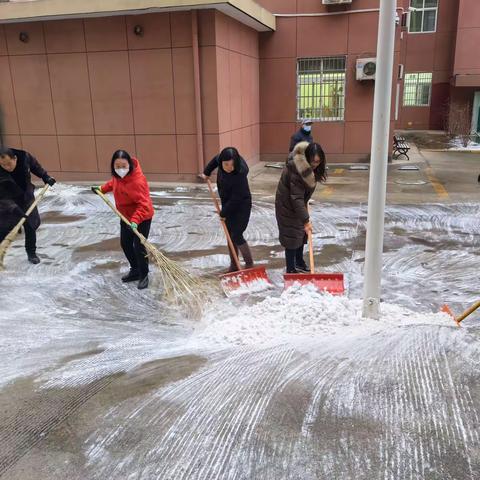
[(293, 258), (133, 248), (30, 238)]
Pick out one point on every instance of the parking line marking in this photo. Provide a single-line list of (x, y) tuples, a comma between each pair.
[(326, 192), (436, 184), (339, 171)]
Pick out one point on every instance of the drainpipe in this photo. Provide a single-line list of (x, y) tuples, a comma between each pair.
[(198, 92), (378, 172)]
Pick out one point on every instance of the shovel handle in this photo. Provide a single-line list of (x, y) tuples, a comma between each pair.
[(225, 229), (468, 312), (310, 242), (122, 217), (310, 248)]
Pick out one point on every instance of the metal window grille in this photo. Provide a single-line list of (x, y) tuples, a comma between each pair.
[(424, 17), (321, 88), (417, 89)]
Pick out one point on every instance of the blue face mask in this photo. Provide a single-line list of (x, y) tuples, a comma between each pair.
[(307, 128)]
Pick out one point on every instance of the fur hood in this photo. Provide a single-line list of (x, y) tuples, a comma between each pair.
[(298, 162)]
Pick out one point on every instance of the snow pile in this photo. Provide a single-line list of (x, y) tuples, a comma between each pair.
[(457, 145), (303, 312)]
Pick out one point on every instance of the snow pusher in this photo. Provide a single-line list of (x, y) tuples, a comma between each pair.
[(325, 282), (244, 280), (446, 309)]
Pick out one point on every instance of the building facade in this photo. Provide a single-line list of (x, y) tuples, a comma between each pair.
[(173, 82)]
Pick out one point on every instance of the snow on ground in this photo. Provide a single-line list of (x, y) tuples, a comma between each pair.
[(100, 381), (457, 145)]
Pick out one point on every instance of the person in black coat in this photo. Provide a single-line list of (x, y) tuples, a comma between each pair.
[(305, 167), (17, 194), (234, 191), (303, 135)]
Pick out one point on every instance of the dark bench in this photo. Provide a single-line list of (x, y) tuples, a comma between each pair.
[(400, 146)]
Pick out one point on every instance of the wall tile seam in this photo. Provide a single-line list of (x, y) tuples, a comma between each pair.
[(51, 98), (173, 92), (14, 100), (230, 50)]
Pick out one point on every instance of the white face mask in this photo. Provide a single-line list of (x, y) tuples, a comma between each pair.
[(122, 172), (307, 128)]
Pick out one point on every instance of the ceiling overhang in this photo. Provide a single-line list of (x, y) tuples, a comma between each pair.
[(247, 12)]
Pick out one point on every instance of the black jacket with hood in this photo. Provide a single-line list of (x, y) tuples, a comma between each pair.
[(233, 187), (17, 188)]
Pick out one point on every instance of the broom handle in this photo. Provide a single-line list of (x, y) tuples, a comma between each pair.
[(225, 229), (468, 312), (310, 243), (122, 217)]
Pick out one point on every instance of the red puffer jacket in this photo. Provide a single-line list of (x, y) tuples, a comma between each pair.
[(132, 195)]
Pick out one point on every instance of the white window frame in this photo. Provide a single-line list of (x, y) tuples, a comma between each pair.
[(428, 105), (322, 59), (423, 9)]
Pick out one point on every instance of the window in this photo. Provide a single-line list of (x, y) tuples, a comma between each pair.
[(321, 88), (417, 89), (424, 17)]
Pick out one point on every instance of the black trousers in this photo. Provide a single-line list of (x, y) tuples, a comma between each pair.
[(133, 248), (30, 238), (237, 224), (294, 257)]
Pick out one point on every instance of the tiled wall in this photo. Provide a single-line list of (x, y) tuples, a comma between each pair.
[(431, 52), (231, 89), (80, 89), (354, 36)]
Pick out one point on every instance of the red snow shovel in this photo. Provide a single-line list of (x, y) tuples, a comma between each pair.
[(325, 282), (248, 279)]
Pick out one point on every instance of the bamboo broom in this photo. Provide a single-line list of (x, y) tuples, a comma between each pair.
[(180, 287), (8, 240)]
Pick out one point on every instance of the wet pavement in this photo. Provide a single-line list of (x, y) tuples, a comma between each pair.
[(101, 381)]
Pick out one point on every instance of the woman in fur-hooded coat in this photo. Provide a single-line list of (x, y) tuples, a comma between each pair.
[(306, 165)]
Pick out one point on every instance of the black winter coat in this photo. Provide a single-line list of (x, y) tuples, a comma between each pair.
[(295, 188), (233, 188), (17, 188), (300, 136)]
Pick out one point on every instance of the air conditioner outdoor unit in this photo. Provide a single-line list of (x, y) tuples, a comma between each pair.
[(335, 2), (366, 68)]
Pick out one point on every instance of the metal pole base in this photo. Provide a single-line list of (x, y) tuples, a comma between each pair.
[(371, 308)]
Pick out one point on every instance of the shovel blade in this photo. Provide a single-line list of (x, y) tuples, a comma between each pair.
[(446, 309), (325, 282), (246, 281)]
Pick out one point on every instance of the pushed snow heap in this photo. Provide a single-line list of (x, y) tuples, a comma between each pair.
[(302, 312)]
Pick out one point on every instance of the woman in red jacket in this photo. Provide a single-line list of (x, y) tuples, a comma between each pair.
[(132, 198)]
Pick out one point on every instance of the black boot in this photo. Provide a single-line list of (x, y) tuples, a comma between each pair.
[(302, 268), (143, 283), (131, 276), (247, 255), (32, 258)]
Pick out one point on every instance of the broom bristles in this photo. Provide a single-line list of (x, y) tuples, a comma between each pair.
[(179, 286)]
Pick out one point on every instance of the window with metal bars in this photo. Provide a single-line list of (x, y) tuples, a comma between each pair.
[(424, 17), (321, 88), (417, 89)]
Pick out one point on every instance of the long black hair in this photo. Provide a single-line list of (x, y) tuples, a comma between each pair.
[(230, 153), (311, 152), (125, 156)]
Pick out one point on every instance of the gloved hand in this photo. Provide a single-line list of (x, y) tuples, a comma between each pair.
[(50, 180), (95, 190), (134, 226)]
